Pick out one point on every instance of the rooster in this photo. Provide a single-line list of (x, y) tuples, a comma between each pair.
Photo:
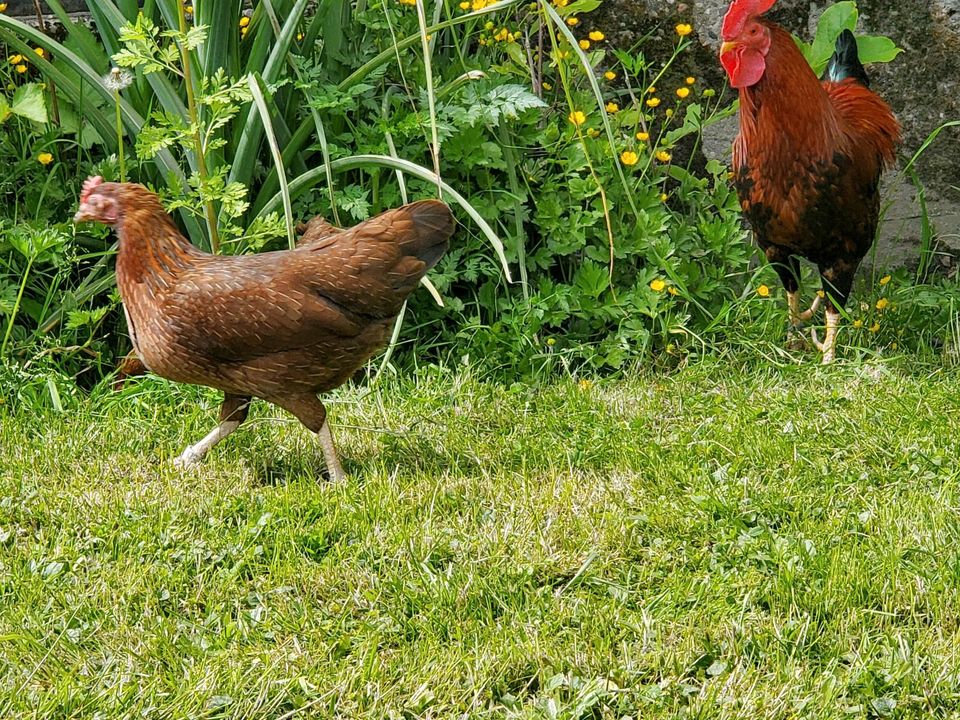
[(808, 158), (282, 326)]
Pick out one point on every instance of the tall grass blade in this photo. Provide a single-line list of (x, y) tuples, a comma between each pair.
[(261, 104)]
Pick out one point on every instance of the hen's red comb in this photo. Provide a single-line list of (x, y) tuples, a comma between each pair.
[(89, 185), (740, 11)]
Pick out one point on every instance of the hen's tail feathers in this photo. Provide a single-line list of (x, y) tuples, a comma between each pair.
[(845, 62), (433, 225)]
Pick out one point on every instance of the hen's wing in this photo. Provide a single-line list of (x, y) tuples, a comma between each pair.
[(236, 308)]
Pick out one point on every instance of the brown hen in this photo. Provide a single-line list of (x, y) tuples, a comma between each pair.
[(282, 326)]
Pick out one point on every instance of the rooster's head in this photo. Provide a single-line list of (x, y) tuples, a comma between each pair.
[(746, 41)]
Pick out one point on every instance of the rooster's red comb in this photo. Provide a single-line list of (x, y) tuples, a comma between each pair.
[(739, 12), (89, 185)]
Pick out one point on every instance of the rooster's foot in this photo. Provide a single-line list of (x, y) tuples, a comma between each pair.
[(796, 340)]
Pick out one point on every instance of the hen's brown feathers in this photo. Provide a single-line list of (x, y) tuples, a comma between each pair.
[(278, 323)]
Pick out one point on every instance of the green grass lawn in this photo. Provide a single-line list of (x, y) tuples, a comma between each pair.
[(720, 542)]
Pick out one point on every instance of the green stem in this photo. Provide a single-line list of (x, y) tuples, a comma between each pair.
[(16, 307), (208, 208), (120, 158)]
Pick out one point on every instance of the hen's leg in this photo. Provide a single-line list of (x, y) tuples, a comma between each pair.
[(310, 411), (837, 281), (233, 411)]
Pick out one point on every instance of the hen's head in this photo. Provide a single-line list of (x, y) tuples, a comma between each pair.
[(106, 202), (746, 41)]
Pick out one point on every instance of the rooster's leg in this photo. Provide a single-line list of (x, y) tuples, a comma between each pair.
[(232, 413), (310, 411), (788, 269), (829, 345), (837, 281)]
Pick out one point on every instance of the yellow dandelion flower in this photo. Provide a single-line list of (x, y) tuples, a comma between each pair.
[(577, 117), (628, 157), (691, 80), (21, 68), (763, 291), (44, 158), (684, 29), (653, 102), (885, 279), (610, 75), (643, 136), (571, 21), (663, 156), (584, 44), (875, 327), (858, 324), (244, 21), (882, 304), (612, 107), (683, 92), (657, 285), (597, 36)]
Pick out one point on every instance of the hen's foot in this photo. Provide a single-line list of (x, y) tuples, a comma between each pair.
[(193, 454), (335, 471), (797, 318), (796, 340), (829, 345)]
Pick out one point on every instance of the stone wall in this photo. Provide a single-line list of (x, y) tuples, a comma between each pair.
[(922, 85)]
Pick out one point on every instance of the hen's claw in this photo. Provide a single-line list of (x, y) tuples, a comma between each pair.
[(829, 345)]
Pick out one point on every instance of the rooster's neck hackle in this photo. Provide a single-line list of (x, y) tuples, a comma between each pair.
[(788, 106)]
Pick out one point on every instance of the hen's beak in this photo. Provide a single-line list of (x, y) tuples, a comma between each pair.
[(84, 214), (727, 47)]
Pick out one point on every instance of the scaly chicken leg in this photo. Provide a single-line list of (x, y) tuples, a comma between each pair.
[(829, 345), (233, 412)]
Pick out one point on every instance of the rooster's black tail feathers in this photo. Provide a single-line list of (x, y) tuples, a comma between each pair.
[(845, 62)]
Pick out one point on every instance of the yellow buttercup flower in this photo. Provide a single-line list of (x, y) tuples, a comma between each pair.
[(763, 291), (571, 21), (300, 36), (561, 3), (643, 136), (610, 75), (3, 7), (672, 290), (465, 5), (651, 90), (858, 324), (612, 107), (547, 86), (584, 44), (657, 285), (653, 102), (628, 157), (44, 158), (691, 80), (16, 59), (664, 197), (597, 36), (882, 303), (684, 29), (683, 92), (577, 117), (663, 156), (885, 279), (244, 21), (21, 68), (875, 327)]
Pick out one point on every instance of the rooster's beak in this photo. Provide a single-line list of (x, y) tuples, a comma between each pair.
[(727, 47)]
